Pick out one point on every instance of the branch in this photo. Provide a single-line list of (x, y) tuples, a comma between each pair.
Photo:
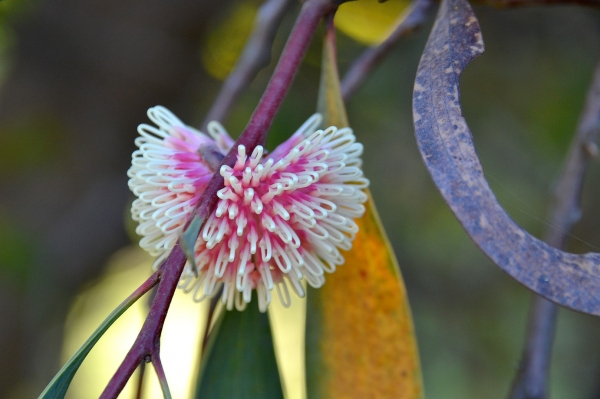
[(531, 381), (255, 57), (160, 373), (146, 346), (140, 382), (414, 18), (526, 3), (446, 146), (256, 130), (149, 336)]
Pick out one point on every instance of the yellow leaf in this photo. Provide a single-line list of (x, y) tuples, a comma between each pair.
[(368, 21), (360, 340), (360, 337)]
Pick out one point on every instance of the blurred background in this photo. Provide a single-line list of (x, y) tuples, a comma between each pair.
[(76, 78)]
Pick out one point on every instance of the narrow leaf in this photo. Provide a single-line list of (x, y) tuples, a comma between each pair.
[(446, 145), (240, 360), (57, 388), (360, 339)]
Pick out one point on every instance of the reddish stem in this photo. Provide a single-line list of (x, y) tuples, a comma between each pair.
[(292, 55), (255, 57), (149, 336), (255, 133), (257, 128), (146, 286)]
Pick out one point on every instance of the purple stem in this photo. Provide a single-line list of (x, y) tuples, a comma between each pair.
[(255, 57), (149, 336), (145, 287), (255, 133), (257, 128)]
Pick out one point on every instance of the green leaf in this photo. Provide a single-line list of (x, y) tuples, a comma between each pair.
[(57, 388), (360, 339), (240, 360)]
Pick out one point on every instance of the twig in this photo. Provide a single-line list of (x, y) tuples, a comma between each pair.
[(148, 340), (526, 3), (140, 383), (256, 56), (415, 17), (160, 374), (149, 336), (531, 381)]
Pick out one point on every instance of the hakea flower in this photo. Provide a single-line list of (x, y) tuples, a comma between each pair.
[(279, 218)]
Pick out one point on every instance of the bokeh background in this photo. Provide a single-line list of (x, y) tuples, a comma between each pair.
[(76, 78)]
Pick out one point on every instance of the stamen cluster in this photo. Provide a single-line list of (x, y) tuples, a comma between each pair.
[(278, 220)]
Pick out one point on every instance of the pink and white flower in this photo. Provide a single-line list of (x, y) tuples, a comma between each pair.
[(280, 218)]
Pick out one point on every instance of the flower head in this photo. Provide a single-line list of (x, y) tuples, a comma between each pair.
[(279, 218)]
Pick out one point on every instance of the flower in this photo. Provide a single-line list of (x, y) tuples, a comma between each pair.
[(279, 219)]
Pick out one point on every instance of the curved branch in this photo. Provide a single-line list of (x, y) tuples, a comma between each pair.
[(446, 145)]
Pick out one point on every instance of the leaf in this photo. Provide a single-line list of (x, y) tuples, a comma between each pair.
[(446, 145), (240, 361), (57, 388), (360, 339), (369, 21)]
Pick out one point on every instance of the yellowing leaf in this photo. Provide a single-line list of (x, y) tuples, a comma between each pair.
[(368, 21), (226, 40), (360, 340)]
